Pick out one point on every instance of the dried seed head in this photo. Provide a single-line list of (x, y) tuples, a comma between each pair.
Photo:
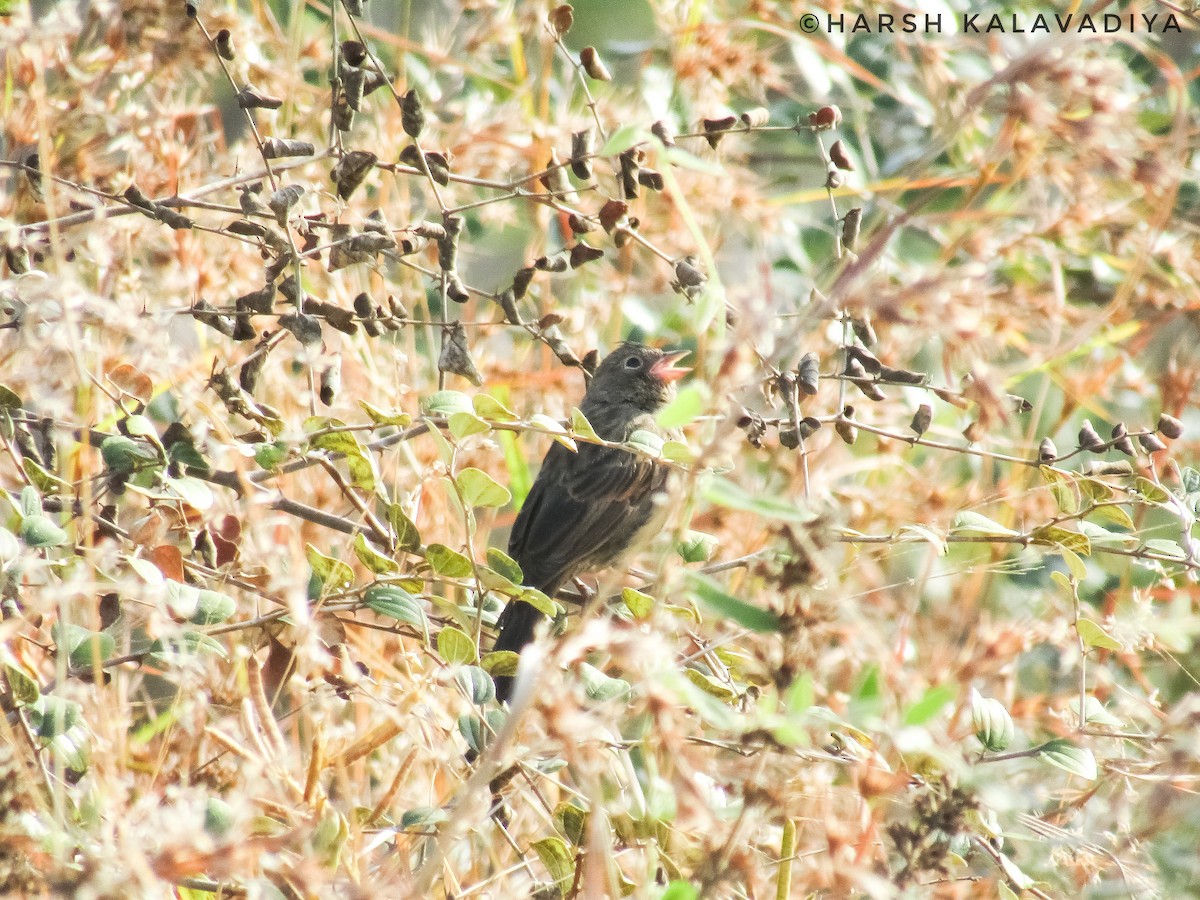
[(921, 419), (1047, 452), (809, 373), (1169, 427), (455, 357), (1150, 443), (1088, 438), (354, 53), (282, 201), (250, 98), (715, 129), (561, 19), (826, 117), (789, 437), (455, 289), (755, 118), (594, 65), (412, 114), (648, 178), (583, 144), (837, 155), (809, 425), (521, 281), (351, 170), (660, 131), (629, 173), (279, 148), (224, 44), (851, 223), (611, 213), (688, 272), (581, 254), (834, 179), (863, 330), (306, 328)]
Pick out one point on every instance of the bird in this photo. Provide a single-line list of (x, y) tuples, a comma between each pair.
[(589, 508)]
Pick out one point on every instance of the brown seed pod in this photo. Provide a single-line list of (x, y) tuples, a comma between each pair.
[(354, 87), (715, 129), (448, 245), (863, 330), (306, 328), (582, 254), (902, 376), (809, 425), (261, 301), (972, 432), (521, 281), (922, 419), (331, 381), (659, 130), (1101, 467), (243, 330), (282, 201), (1121, 441), (851, 224), (557, 263), (455, 357), (837, 155), (583, 145), (1047, 452), (688, 272), (648, 178), (594, 65), (809, 373), (354, 53), (579, 224), (611, 213), (351, 170), (789, 437), (561, 19), (507, 301), (846, 431), (1169, 427), (455, 289), (343, 115), (1088, 438), (224, 44), (834, 180), (367, 312), (755, 118), (251, 369), (250, 98), (554, 179), (1150, 443), (826, 117), (412, 114), (629, 173), (865, 358), (206, 314)]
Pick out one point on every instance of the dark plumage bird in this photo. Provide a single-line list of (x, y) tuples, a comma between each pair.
[(587, 509)]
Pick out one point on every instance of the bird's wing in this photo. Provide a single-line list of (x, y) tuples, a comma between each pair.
[(581, 511)]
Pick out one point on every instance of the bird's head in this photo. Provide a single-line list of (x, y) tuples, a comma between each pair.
[(637, 375)]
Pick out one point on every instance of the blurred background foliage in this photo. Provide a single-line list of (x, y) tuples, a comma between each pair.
[(249, 575)]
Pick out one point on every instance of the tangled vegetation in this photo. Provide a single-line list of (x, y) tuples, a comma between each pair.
[(297, 295)]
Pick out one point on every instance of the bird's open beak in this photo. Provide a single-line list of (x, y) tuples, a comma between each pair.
[(665, 368)]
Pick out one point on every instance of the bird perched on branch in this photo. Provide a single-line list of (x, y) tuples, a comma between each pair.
[(587, 509)]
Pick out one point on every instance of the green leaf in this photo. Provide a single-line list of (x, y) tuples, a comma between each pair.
[(724, 492), (375, 561), (361, 466), (1114, 515), (540, 602), (269, 456), (697, 546), (22, 688), (423, 819), (1096, 491), (476, 684), (1093, 635), (165, 652), (729, 607), (501, 663), (556, 856), (212, 608), (480, 489), (447, 562), (40, 532), (386, 416), (646, 442), (1153, 492), (393, 602), (681, 890), (465, 424), (9, 398), (601, 687), (218, 817), (968, 522), (488, 407), (641, 605), (1094, 713), (623, 138), (504, 564), (1062, 486), (192, 491), (51, 716), (456, 647), (555, 428), (581, 426), (333, 574), (1075, 565), (993, 725), (31, 501), (120, 454), (1076, 760), (1164, 547), (687, 406), (83, 646), (407, 536), (710, 685), (330, 435), (932, 702), (1074, 541), (678, 452), (446, 403), (182, 599)]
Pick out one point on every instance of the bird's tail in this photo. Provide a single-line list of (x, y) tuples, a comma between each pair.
[(517, 624)]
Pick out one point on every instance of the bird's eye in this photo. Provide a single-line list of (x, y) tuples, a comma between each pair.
[(633, 362)]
